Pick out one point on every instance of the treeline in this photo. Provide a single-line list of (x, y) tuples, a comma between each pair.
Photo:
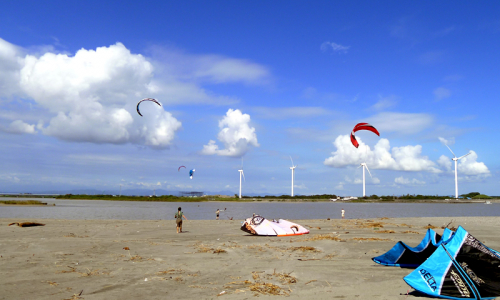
[(316, 197), (324, 197), (163, 198)]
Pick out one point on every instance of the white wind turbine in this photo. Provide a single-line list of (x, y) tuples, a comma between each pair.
[(293, 172), (364, 165), (455, 158), (241, 174)]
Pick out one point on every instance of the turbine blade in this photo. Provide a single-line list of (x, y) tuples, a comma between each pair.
[(292, 161), (464, 155), (450, 150), (243, 176), (368, 170)]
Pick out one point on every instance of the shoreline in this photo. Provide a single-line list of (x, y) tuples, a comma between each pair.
[(263, 200), (137, 259)]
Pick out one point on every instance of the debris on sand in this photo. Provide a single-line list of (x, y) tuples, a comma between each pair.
[(411, 231), (370, 239), (430, 226), (385, 231), (304, 249), (318, 237), (27, 224)]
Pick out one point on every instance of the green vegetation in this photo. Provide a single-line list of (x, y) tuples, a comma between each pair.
[(470, 195), (481, 196), (21, 202), (301, 197), (164, 198), (281, 198)]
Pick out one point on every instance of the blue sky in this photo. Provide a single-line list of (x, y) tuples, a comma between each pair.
[(253, 82)]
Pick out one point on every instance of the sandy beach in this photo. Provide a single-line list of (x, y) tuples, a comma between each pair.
[(117, 259)]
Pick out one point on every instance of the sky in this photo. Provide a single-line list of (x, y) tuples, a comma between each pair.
[(249, 85)]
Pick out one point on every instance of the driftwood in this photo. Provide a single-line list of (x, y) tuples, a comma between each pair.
[(27, 224)]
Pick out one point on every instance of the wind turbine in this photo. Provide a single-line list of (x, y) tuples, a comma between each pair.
[(455, 158), (364, 165), (241, 174), (293, 172)]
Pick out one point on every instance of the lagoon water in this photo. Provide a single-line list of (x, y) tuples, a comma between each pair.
[(136, 210)]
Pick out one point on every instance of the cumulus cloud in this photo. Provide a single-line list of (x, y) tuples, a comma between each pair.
[(90, 95), (406, 158), (470, 166), (467, 166), (331, 46), (11, 62), (236, 135), (445, 162), (20, 127), (406, 181)]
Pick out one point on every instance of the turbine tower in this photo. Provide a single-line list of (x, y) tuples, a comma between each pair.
[(455, 158), (364, 166), (293, 172), (241, 173)]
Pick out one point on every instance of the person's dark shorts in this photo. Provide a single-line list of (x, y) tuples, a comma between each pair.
[(179, 222)]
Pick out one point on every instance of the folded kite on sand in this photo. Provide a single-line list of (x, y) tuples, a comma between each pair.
[(460, 268), (258, 225), (402, 255)]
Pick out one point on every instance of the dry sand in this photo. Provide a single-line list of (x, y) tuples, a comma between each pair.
[(118, 259)]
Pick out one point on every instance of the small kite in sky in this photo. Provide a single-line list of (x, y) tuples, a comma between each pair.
[(146, 99), (181, 167), (362, 126), (191, 173)]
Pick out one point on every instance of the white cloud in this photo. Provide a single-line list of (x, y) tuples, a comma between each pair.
[(444, 141), (108, 76), (406, 181), (219, 69), (19, 127), (290, 112), (236, 135), (470, 166), (405, 123), (91, 95), (445, 162), (11, 62), (407, 158), (441, 93), (209, 67), (385, 103), (326, 46)]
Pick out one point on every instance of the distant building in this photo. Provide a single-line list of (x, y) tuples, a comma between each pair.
[(191, 194)]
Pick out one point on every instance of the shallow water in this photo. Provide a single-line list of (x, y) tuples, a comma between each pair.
[(135, 210)]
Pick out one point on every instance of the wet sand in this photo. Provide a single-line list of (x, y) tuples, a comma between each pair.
[(117, 259)]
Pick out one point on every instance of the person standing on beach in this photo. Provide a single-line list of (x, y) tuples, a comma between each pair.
[(178, 219), (217, 214), (343, 213)]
